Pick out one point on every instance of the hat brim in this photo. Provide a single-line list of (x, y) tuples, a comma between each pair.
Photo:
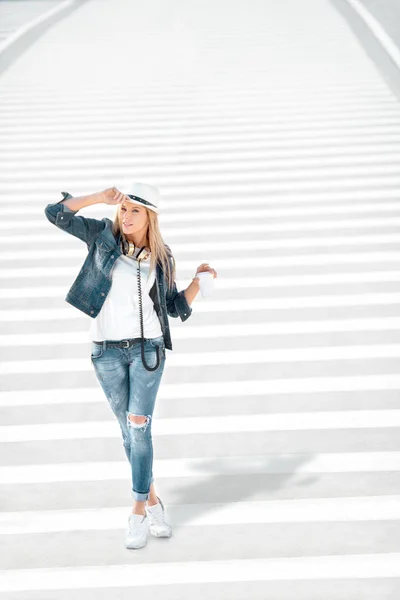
[(127, 199)]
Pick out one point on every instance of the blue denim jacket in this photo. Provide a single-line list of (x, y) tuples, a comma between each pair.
[(90, 288)]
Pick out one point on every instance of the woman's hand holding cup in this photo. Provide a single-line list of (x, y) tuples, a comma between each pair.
[(205, 276)]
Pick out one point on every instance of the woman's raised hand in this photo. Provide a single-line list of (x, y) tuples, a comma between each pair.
[(112, 195)]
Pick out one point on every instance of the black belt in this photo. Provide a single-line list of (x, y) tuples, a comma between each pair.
[(122, 343)]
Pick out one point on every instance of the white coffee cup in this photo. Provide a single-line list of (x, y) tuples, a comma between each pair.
[(206, 283)]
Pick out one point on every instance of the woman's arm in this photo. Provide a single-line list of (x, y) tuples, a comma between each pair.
[(178, 303), (79, 202), (62, 215), (192, 290)]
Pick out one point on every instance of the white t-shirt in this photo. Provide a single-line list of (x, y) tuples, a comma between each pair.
[(119, 317)]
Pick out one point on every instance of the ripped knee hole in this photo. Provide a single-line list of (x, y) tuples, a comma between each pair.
[(137, 421)]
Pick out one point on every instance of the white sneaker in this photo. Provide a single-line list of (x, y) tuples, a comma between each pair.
[(158, 521), (137, 532)]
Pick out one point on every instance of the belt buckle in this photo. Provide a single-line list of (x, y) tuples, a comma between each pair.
[(125, 342)]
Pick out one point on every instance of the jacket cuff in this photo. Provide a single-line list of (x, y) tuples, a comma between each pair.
[(65, 208), (63, 217), (58, 212), (182, 306)]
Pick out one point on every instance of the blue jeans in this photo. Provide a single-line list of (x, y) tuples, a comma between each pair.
[(131, 389)]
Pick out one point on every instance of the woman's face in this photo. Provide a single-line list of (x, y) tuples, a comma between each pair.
[(134, 219)]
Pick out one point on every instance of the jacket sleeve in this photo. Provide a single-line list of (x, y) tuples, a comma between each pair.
[(86, 229), (177, 305)]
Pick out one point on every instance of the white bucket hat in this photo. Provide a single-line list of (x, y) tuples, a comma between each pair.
[(141, 193)]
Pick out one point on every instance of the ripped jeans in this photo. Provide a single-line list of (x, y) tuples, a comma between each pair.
[(132, 390)]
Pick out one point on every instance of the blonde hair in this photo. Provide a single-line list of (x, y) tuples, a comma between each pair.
[(159, 251)]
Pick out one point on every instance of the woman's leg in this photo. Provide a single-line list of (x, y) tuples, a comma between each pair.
[(143, 390), (117, 370), (112, 371)]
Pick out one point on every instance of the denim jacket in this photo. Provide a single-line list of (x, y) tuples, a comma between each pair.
[(90, 288)]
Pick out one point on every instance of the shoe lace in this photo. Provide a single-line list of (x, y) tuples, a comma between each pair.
[(159, 517)]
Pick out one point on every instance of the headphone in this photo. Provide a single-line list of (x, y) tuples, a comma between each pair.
[(128, 248)]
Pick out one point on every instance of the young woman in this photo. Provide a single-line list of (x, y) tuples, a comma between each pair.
[(127, 285)]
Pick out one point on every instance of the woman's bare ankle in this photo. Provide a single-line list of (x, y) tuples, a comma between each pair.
[(139, 508), (152, 501)]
